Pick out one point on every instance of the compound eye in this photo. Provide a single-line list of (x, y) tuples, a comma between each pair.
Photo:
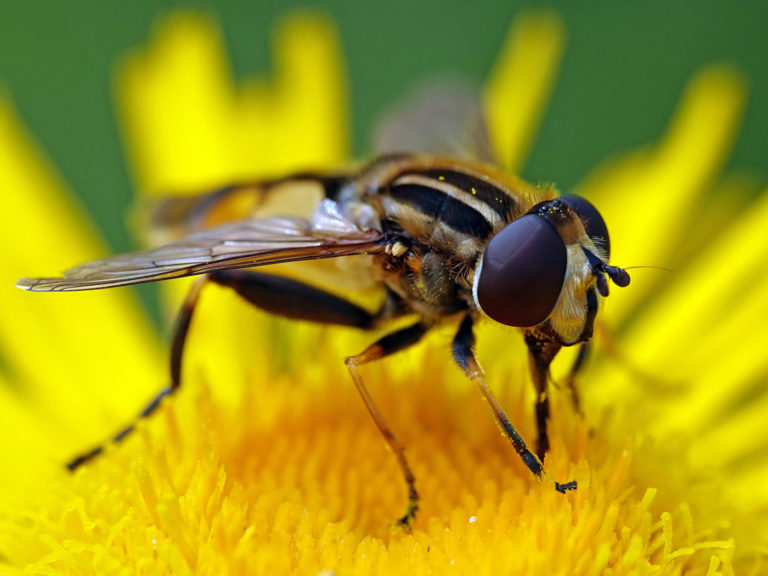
[(591, 219), (522, 272)]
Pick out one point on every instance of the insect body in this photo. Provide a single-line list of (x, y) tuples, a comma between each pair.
[(447, 239)]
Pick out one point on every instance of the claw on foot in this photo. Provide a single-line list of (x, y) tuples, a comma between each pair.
[(410, 514)]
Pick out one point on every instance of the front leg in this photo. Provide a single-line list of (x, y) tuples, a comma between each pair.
[(573, 373), (541, 351), (464, 355)]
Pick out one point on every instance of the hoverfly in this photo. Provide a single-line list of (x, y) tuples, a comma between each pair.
[(446, 238)]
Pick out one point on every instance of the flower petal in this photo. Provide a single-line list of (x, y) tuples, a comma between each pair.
[(519, 86), (189, 127), (694, 331), (653, 195), (80, 343)]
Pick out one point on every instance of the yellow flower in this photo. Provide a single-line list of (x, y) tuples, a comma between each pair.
[(266, 461)]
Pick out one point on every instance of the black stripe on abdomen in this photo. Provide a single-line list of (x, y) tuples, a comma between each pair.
[(498, 200), (440, 206)]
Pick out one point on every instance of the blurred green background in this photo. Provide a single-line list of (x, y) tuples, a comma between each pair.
[(624, 69)]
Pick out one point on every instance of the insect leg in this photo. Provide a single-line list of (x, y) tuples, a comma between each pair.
[(570, 379), (293, 299), (463, 354), (180, 331), (385, 346), (541, 352), (177, 348)]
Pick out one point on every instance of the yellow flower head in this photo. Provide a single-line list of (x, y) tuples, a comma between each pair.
[(266, 461)]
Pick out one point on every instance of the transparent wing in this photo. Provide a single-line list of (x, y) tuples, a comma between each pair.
[(167, 219), (444, 118), (237, 245)]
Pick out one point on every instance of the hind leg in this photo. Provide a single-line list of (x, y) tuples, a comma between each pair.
[(274, 294), (183, 321)]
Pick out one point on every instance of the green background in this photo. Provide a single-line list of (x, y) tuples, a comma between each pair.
[(624, 68)]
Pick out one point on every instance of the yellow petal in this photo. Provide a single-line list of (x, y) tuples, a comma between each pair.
[(518, 89), (649, 198), (299, 119), (29, 446), (190, 128), (175, 100), (693, 333), (64, 348)]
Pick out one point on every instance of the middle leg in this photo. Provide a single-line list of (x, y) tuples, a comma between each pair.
[(292, 299), (541, 351), (386, 346)]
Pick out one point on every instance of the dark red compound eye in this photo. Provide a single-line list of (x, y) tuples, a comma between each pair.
[(522, 272), (593, 222)]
